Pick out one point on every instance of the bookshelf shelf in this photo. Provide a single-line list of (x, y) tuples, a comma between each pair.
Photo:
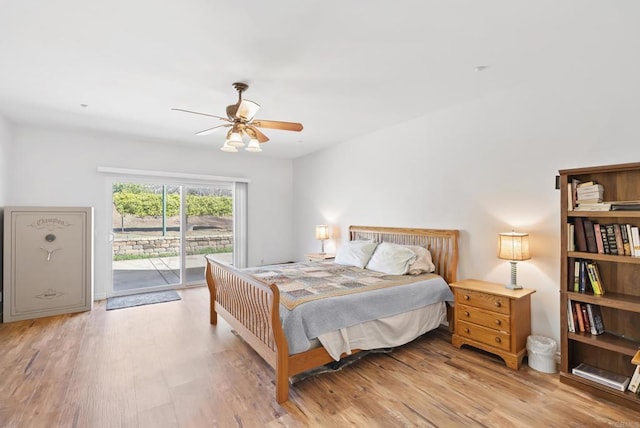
[(605, 214), (625, 398), (607, 341), (623, 302), (620, 305), (604, 257)]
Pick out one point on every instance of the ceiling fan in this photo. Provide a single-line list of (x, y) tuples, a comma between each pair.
[(240, 118)]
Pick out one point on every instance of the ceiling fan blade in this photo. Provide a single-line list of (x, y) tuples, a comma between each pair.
[(212, 130), (202, 114), (273, 124), (259, 135), (246, 110)]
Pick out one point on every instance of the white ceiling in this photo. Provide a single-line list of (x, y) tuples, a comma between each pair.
[(342, 68)]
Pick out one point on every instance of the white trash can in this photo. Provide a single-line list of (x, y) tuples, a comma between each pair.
[(541, 353)]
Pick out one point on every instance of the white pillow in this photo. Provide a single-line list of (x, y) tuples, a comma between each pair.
[(423, 262), (355, 253), (391, 259)]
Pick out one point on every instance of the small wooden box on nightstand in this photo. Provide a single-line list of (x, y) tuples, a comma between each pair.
[(318, 257), (493, 318)]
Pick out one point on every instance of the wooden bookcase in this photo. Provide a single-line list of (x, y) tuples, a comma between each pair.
[(620, 276)]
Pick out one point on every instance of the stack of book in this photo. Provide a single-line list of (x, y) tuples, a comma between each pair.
[(634, 384), (601, 376), (589, 194), (584, 318), (617, 238), (585, 277)]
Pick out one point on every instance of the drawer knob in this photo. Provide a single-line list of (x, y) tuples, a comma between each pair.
[(498, 340), (466, 330), (466, 313), (498, 322), (466, 297), (498, 304)]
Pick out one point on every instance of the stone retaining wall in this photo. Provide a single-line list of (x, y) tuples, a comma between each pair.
[(155, 246)]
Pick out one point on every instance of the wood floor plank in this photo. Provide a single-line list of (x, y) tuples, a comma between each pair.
[(164, 365)]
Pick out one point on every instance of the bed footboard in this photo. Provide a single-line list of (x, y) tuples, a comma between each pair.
[(251, 308)]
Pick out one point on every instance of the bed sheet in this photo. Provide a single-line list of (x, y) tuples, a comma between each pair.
[(387, 332)]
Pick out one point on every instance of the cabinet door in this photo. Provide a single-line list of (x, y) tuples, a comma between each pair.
[(48, 262)]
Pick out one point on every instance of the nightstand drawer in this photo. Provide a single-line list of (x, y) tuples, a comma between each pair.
[(487, 301), (483, 317), (498, 339)]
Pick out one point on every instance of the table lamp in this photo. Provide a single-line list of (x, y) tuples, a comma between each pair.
[(322, 233), (513, 246)]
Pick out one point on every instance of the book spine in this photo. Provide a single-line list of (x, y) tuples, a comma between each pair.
[(597, 319), (618, 235), (571, 241), (576, 279), (611, 238), (599, 242), (596, 273), (625, 240), (631, 244), (590, 236), (605, 242), (583, 278), (581, 239), (570, 318), (579, 316), (591, 271), (585, 318), (574, 191), (635, 234), (592, 324), (634, 384)]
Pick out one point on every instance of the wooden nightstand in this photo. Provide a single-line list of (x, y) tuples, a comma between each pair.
[(493, 318), (318, 257)]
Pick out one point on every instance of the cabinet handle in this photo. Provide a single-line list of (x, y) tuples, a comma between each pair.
[(498, 340), (466, 330), (466, 313), (498, 322), (498, 304), (466, 297)]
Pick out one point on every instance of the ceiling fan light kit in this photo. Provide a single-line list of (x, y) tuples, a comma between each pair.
[(234, 139), (227, 148), (240, 119), (254, 146)]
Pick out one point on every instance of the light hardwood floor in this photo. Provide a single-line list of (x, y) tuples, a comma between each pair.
[(163, 365)]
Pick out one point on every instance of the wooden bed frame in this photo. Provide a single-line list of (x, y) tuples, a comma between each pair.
[(251, 307)]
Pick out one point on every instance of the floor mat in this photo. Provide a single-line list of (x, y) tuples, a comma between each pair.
[(141, 299)]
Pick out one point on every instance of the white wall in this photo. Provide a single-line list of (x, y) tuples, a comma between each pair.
[(5, 140), (59, 168), (484, 167)]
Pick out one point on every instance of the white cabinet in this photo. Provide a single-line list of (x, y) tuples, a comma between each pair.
[(48, 261)]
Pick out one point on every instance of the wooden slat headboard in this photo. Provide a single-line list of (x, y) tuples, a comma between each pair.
[(442, 243)]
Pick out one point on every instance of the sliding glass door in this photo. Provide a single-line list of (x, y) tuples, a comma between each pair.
[(162, 232), (208, 228)]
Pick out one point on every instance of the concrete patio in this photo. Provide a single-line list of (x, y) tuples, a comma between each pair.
[(160, 271)]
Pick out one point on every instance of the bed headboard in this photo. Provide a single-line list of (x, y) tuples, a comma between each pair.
[(442, 243)]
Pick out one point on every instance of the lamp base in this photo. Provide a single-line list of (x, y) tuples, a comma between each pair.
[(513, 285)]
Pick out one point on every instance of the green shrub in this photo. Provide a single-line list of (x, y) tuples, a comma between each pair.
[(141, 204)]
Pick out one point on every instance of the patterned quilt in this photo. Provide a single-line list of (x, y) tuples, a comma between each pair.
[(303, 282)]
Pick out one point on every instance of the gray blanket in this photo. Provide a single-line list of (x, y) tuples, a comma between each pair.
[(308, 320)]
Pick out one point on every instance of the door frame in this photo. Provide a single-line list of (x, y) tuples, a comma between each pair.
[(239, 192)]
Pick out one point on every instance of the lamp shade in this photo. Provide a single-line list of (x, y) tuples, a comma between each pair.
[(513, 246), (254, 146), (322, 231)]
